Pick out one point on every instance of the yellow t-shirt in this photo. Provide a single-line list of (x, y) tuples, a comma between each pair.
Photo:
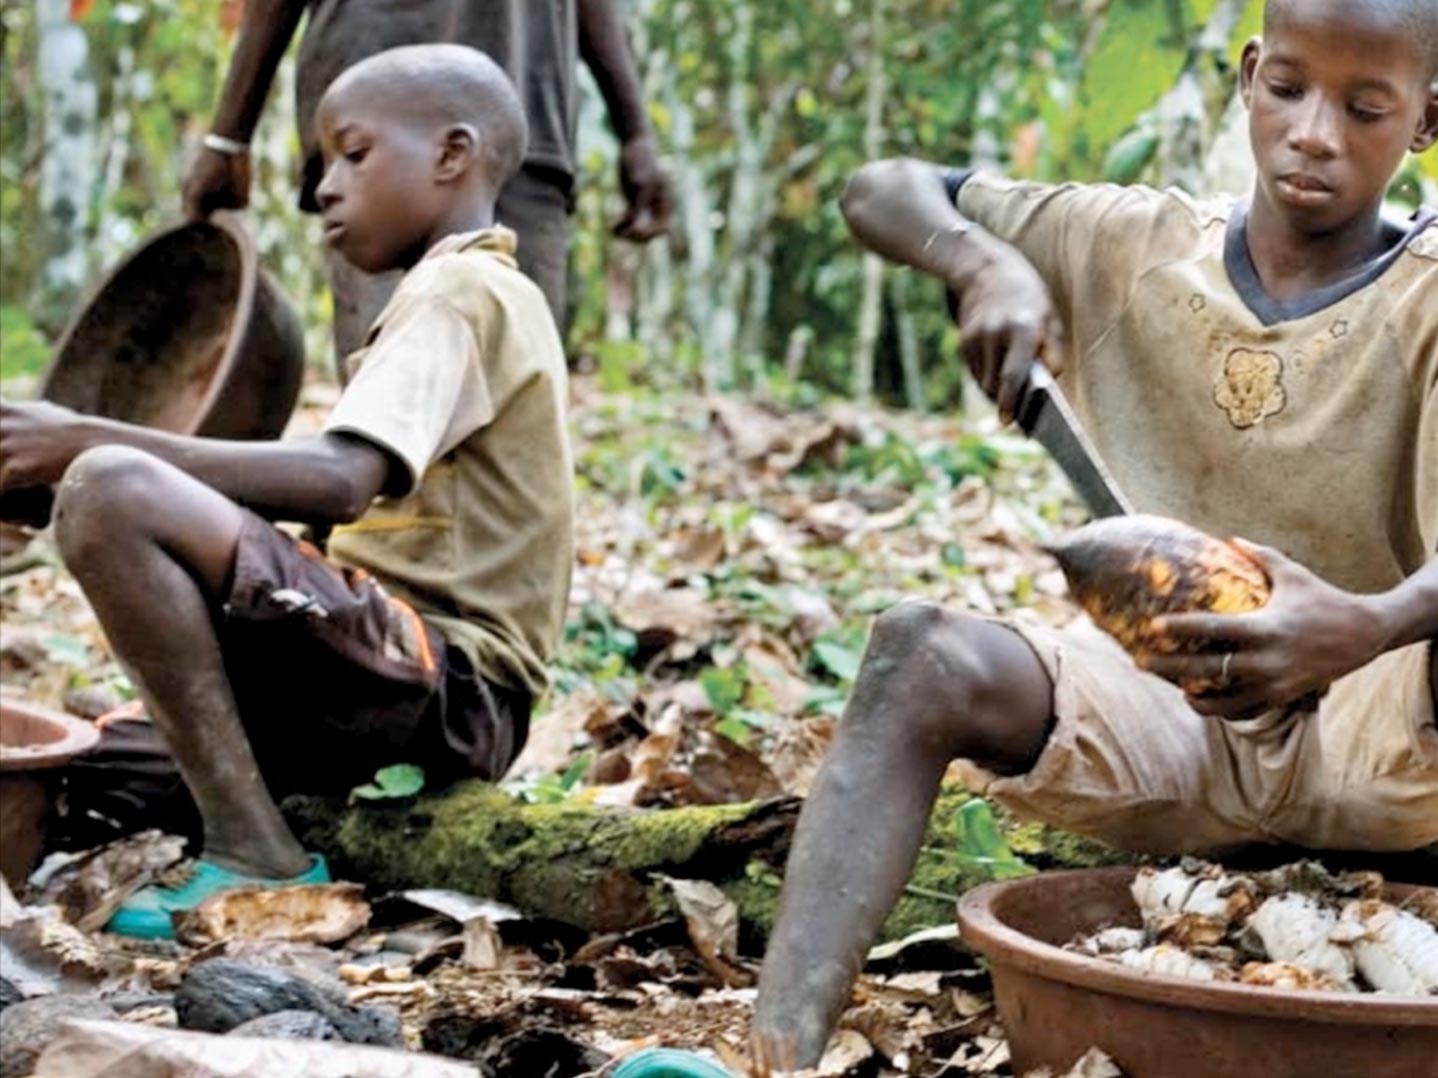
[(463, 380), (1311, 425)]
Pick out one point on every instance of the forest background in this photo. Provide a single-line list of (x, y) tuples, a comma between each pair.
[(763, 108)]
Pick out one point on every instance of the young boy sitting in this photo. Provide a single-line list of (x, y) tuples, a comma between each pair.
[(445, 467), (1266, 368)]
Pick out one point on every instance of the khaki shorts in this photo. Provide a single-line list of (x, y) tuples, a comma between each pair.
[(1131, 763)]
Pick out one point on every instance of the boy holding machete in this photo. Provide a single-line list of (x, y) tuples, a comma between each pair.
[(1266, 368)]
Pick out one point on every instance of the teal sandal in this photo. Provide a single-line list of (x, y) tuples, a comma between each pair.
[(146, 914), (668, 1063)]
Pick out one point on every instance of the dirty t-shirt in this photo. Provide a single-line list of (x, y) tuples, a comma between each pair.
[(463, 381), (1309, 425), (535, 41)]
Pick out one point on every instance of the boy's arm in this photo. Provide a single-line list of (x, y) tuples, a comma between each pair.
[(330, 479), (605, 47), (902, 210), (222, 181), (1309, 635)]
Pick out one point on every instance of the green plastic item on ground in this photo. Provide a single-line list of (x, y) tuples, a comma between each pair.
[(668, 1063), (980, 842)]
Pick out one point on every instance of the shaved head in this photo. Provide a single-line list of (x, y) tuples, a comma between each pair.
[(443, 86), (1417, 19)]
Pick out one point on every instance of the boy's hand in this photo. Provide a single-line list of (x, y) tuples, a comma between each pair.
[(1006, 321), (38, 440), (216, 181), (1308, 635), (646, 192)]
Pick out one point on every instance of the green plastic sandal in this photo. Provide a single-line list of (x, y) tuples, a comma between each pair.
[(668, 1063), (146, 914)]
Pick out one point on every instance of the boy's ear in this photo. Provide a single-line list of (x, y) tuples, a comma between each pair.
[(1427, 134), (1247, 67), (457, 152)]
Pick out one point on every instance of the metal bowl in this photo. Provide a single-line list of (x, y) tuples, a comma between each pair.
[(1055, 1004), (189, 335)]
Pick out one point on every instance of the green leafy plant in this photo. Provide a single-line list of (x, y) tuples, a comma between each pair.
[(391, 783)]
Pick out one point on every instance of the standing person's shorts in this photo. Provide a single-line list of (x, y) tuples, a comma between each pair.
[(536, 203), (1129, 762)]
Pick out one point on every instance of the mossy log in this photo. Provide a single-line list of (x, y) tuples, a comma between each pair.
[(597, 867)]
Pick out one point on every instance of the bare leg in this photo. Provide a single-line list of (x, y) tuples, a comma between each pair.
[(154, 551), (934, 685)]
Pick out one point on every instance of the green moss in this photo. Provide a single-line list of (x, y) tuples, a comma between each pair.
[(579, 863), (596, 867)]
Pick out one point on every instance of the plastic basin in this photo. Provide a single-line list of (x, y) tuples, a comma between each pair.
[(35, 743), (1055, 1005)]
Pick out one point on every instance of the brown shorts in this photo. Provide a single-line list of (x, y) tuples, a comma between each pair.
[(1131, 763), (335, 678)]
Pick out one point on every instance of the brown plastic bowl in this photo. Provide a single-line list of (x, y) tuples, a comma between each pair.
[(189, 335), (35, 743), (1055, 1004)]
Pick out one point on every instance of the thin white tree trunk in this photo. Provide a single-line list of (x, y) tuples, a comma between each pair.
[(871, 299), (69, 166), (908, 343)]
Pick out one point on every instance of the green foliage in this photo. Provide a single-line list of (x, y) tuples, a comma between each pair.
[(551, 788), (391, 783), (24, 352), (979, 842), (839, 653)]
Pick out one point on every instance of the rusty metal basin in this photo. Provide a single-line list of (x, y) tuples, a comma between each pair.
[(188, 334), (35, 743), (1055, 1005)]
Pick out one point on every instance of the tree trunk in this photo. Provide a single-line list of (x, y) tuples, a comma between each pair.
[(871, 299), (68, 167), (908, 343)]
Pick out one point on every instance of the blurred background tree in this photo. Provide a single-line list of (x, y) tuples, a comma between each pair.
[(764, 108)]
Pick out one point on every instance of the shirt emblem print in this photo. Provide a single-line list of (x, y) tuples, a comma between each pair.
[(1249, 387)]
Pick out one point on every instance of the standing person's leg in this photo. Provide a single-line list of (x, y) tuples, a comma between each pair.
[(934, 685), (155, 580), (537, 204)]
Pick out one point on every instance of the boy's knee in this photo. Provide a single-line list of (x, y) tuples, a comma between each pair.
[(939, 659), (102, 489)]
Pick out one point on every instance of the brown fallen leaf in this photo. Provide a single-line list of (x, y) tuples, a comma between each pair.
[(90, 888), (847, 1051), (799, 748), (556, 733), (753, 432), (713, 922), (1095, 1063), (482, 945), (307, 913), (723, 772), (661, 617)]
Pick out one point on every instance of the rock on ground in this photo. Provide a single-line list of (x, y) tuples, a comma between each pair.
[(28, 1027), (218, 995)]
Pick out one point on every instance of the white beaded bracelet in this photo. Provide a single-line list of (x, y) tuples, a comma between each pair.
[(227, 146)]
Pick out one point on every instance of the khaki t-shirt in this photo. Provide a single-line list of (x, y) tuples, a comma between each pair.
[(1311, 425), (463, 380)]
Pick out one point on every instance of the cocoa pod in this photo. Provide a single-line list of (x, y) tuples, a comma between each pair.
[(1126, 571)]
